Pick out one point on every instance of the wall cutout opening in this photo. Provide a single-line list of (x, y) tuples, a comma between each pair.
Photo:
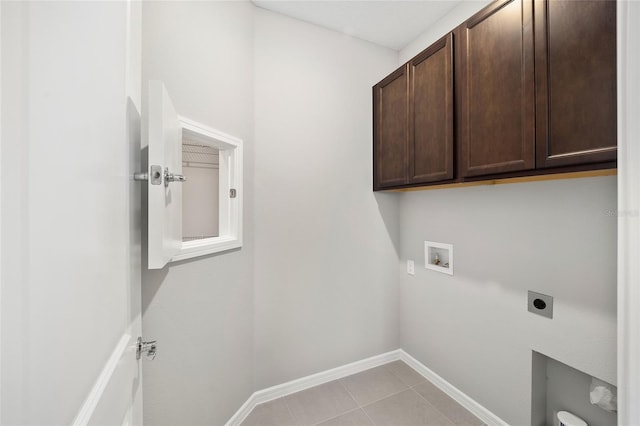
[(557, 387), (200, 192), (212, 193), (199, 215), (438, 257)]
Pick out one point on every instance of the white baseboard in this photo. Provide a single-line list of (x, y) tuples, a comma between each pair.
[(307, 382), (460, 397)]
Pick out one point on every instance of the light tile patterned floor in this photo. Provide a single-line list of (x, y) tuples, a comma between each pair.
[(391, 395)]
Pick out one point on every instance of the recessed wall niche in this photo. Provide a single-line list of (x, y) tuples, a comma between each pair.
[(556, 386), (438, 257)]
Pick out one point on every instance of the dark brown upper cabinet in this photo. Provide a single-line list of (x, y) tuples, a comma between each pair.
[(528, 90), (495, 83), (413, 120), (391, 130), (575, 82), (431, 145)]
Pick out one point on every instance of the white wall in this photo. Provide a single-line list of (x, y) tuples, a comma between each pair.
[(68, 244), (201, 311), (326, 265)]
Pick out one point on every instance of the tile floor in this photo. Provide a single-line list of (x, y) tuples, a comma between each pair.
[(392, 394)]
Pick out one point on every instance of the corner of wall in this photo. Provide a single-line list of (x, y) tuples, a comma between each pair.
[(323, 240), (447, 23)]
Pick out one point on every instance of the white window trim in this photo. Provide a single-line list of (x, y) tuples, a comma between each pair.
[(230, 209)]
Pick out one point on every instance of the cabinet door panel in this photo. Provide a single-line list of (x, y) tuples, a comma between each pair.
[(576, 82), (431, 114), (496, 81), (390, 133)]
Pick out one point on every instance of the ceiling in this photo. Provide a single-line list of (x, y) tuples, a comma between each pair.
[(389, 23)]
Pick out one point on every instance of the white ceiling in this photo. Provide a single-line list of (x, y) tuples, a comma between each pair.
[(389, 23)]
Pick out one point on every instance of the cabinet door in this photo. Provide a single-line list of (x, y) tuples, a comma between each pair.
[(431, 113), (390, 130), (576, 82), (496, 84)]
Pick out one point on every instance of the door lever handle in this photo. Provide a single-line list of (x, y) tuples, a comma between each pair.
[(171, 177)]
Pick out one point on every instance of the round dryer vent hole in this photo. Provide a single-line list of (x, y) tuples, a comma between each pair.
[(539, 304)]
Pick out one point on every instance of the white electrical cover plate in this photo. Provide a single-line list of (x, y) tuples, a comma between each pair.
[(411, 269)]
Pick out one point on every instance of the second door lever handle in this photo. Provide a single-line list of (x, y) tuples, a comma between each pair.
[(171, 177)]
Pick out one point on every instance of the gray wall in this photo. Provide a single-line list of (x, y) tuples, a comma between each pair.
[(316, 284), (473, 328), (556, 237), (325, 274), (201, 311), (326, 265)]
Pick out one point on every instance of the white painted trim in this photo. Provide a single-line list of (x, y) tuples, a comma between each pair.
[(1, 144), (208, 135), (324, 377), (628, 36), (206, 246), (428, 245), (90, 404), (307, 382), (243, 412), (128, 418), (460, 397), (229, 209)]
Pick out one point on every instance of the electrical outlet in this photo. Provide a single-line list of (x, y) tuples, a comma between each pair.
[(411, 267)]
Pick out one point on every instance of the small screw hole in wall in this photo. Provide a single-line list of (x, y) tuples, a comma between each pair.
[(539, 304)]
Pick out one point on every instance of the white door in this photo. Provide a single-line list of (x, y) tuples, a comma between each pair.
[(70, 210), (163, 135)]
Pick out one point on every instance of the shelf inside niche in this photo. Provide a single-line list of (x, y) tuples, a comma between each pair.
[(438, 257)]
